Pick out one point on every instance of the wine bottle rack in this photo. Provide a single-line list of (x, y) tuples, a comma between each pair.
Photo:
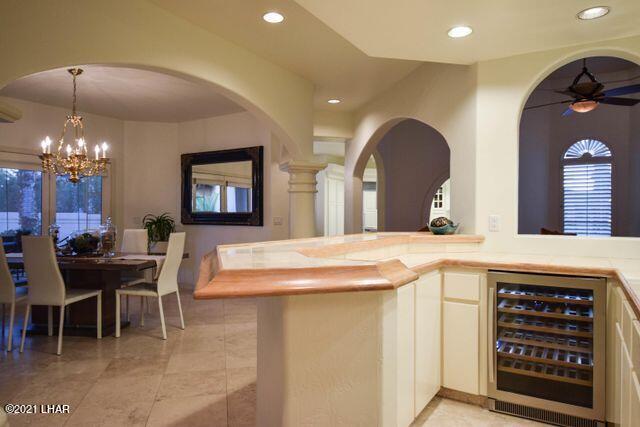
[(545, 309), (557, 295), (546, 371), (553, 356), (545, 340), (549, 325)]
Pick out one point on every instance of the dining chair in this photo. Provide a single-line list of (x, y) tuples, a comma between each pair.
[(9, 294), (46, 286), (135, 241), (167, 283)]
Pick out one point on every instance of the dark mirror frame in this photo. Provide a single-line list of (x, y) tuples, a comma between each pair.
[(254, 218)]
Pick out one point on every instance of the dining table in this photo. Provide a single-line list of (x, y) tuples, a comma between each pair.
[(89, 272)]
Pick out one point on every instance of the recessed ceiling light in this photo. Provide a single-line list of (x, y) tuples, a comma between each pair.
[(273, 17), (458, 32), (334, 101), (593, 12)]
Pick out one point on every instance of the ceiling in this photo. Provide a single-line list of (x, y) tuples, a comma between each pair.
[(417, 29), (302, 44), (124, 93)]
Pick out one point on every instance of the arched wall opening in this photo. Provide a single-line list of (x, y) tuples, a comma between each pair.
[(416, 159), (145, 148), (152, 38), (577, 196)]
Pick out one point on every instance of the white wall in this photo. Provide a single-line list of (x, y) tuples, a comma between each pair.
[(152, 174)]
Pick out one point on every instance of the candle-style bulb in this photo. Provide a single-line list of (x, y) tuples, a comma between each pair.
[(47, 141), (104, 149), (97, 151), (68, 150), (80, 142), (43, 144)]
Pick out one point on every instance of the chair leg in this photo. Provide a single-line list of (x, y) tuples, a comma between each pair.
[(99, 315), (24, 326), (180, 309), (146, 299), (141, 311), (12, 315), (126, 308), (49, 320), (164, 328), (61, 330), (3, 320), (118, 314)]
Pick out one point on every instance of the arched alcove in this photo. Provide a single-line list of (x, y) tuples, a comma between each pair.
[(415, 158), (556, 193)]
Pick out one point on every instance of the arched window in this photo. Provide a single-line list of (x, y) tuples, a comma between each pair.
[(586, 168)]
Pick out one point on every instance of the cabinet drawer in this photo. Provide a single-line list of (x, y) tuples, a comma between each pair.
[(462, 286)]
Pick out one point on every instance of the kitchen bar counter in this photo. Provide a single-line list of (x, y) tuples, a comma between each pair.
[(367, 329), (381, 261)]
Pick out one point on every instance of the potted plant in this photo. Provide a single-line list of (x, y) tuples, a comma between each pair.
[(158, 227)]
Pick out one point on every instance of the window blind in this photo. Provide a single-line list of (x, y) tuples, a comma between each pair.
[(587, 199)]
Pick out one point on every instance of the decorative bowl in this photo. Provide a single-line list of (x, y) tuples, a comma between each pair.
[(445, 229)]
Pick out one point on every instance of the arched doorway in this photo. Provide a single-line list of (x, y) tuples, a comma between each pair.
[(565, 185), (415, 158)]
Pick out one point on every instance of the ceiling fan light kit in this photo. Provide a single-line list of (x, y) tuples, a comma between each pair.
[(587, 93)]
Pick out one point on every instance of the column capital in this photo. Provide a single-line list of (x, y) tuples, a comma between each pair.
[(300, 166)]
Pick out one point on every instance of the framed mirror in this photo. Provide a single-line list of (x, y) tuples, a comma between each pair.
[(223, 187)]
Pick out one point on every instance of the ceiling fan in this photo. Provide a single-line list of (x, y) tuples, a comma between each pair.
[(587, 95)]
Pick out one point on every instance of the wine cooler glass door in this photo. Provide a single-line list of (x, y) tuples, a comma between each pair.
[(547, 341)]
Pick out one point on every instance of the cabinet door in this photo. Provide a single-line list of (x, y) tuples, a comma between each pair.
[(625, 384), (635, 398), (428, 339), (406, 354), (460, 347)]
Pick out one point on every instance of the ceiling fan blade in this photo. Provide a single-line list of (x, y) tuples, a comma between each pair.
[(627, 102), (565, 92), (567, 112), (624, 90), (551, 103)]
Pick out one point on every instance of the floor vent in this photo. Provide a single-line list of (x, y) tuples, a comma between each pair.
[(541, 415)]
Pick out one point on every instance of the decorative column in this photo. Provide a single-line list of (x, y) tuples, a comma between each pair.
[(302, 195)]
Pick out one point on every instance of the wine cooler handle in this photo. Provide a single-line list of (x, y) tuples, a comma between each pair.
[(491, 331)]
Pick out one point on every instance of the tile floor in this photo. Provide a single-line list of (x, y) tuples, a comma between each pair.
[(202, 376)]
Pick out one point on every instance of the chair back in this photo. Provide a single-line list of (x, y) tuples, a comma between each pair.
[(168, 278), (7, 287), (135, 241), (46, 286)]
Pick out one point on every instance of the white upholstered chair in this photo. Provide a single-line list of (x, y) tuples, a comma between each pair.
[(167, 283), (9, 294), (46, 286), (135, 241)]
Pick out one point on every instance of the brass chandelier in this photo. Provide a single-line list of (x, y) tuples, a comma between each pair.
[(69, 159)]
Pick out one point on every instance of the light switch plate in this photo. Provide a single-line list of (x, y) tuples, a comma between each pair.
[(277, 220), (494, 223)]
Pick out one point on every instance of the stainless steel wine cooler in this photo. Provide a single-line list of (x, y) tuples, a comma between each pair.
[(547, 347)]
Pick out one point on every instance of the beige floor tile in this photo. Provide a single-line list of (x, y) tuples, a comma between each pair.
[(121, 401), (198, 411), (136, 366), (193, 362), (192, 384)]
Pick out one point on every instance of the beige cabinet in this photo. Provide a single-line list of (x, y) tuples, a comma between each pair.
[(428, 338), (623, 364), (406, 354), (463, 325), (460, 347)]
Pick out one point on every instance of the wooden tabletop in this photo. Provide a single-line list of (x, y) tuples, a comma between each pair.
[(91, 263)]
